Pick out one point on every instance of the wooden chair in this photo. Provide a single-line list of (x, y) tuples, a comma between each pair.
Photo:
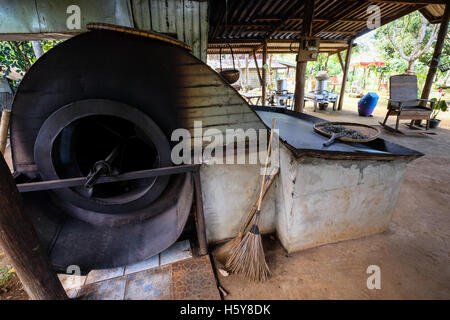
[(403, 101)]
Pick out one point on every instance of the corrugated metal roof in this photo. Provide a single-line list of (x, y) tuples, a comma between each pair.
[(433, 12), (228, 64), (280, 21)]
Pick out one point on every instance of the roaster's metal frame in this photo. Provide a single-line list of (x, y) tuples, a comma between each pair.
[(194, 168)]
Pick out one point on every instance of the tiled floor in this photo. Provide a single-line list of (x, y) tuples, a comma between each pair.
[(172, 274)]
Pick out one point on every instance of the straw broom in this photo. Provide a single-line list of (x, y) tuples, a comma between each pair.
[(247, 256), (223, 252)]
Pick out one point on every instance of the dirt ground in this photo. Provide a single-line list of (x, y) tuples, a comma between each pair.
[(13, 290), (10, 286), (413, 254)]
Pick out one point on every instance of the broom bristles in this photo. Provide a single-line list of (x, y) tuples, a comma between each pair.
[(223, 252), (247, 257)]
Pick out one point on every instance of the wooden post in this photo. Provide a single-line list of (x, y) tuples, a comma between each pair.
[(19, 240), (437, 53), (246, 71), (300, 81), (341, 62), (344, 78), (199, 215), (264, 74), (257, 68), (269, 72), (4, 124)]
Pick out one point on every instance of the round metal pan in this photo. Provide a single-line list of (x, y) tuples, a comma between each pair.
[(371, 132)]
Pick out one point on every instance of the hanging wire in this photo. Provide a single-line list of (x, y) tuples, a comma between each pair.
[(226, 20), (226, 12)]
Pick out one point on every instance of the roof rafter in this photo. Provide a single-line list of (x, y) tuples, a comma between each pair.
[(405, 2)]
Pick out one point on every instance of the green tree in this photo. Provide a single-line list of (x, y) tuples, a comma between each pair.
[(407, 39), (20, 56), (16, 54)]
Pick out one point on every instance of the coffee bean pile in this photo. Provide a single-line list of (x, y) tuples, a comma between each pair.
[(348, 133)]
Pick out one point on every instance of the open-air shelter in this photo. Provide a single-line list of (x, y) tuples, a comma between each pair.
[(277, 26), (254, 26)]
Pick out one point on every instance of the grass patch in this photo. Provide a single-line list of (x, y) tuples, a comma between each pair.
[(6, 273)]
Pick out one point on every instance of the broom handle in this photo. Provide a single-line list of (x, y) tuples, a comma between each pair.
[(269, 148), (252, 211), (264, 188)]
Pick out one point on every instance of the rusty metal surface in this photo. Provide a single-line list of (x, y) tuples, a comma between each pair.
[(90, 66), (69, 241), (169, 85), (104, 246), (57, 122), (94, 73)]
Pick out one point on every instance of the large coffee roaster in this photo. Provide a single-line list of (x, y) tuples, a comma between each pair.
[(104, 103)]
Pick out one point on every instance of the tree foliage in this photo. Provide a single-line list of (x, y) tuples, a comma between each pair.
[(19, 56), (405, 41), (16, 54)]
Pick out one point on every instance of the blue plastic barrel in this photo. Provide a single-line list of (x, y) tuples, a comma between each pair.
[(367, 104)]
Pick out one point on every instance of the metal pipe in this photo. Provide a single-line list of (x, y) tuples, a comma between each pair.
[(75, 182)]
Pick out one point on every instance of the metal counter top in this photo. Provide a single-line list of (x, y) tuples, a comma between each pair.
[(296, 131)]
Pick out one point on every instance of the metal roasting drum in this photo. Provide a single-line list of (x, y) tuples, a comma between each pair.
[(282, 85), (321, 82), (99, 103), (320, 95)]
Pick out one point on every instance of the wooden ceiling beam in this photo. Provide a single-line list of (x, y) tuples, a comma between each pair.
[(258, 41), (301, 31), (346, 9), (314, 20), (339, 32), (268, 26), (295, 48), (308, 16), (405, 2), (280, 25), (290, 48), (216, 28), (272, 51), (324, 31), (386, 21)]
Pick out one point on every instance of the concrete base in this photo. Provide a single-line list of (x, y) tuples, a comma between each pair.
[(413, 254), (229, 192), (324, 201), (312, 202)]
